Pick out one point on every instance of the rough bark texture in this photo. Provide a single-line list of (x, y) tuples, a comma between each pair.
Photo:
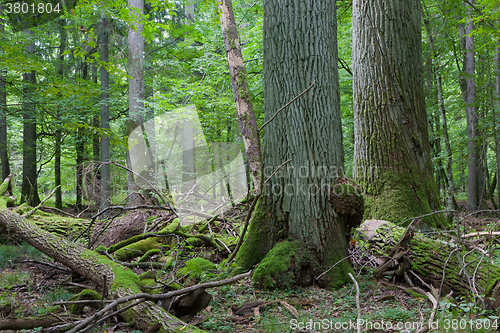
[(105, 144), (294, 225), (29, 187), (120, 281), (246, 116), (430, 259), (472, 120), (392, 149)]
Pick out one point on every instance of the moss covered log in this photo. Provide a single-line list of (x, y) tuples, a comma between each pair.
[(120, 281), (430, 259)]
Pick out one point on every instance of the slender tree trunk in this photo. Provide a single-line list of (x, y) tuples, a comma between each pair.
[(135, 86), (58, 134), (105, 141), (451, 203), (472, 120), (80, 149), (4, 156), (96, 151), (497, 116), (246, 116), (293, 218), (29, 187), (392, 150)]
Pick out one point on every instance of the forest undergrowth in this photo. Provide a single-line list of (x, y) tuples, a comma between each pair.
[(35, 286)]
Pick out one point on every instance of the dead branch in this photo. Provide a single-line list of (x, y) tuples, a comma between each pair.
[(143, 297)]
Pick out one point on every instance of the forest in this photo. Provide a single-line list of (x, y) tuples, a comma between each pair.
[(249, 166)]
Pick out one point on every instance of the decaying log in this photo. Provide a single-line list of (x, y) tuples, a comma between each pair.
[(459, 270), (119, 281), (29, 323)]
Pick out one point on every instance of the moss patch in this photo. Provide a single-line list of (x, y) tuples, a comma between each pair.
[(196, 267), (276, 269), (253, 250), (85, 294), (397, 196)]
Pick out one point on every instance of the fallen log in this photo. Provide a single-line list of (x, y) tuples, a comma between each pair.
[(119, 281), (437, 262), (29, 323)]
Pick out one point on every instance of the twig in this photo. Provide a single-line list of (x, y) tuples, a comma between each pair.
[(358, 307), (88, 301), (287, 104), (247, 221), (28, 214), (144, 296), (59, 210), (277, 169)]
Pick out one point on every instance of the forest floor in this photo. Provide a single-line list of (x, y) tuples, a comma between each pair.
[(33, 288)]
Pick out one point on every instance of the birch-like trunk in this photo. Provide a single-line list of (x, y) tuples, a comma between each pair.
[(241, 92)]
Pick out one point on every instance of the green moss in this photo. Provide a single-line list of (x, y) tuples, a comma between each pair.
[(137, 249), (149, 254), (194, 241), (275, 271), (4, 187), (253, 250), (5, 201), (147, 275), (196, 267), (85, 294), (399, 196)]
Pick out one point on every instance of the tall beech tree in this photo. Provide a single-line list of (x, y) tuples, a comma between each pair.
[(136, 84), (4, 156), (58, 134), (105, 140), (29, 190), (392, 150), (293, 221), (473, 188)]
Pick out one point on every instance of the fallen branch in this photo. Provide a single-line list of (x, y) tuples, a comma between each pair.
[(144, 296)]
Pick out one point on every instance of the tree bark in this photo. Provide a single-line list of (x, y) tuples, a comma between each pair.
[(472, 120), (4, 156), (105, 141), (293, 218), (58, 134), (497, 116), (119, 280), (135, 86), (29, 187), (392, 149), (246, 116), (80, 149)]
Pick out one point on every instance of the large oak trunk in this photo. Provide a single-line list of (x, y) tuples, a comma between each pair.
[(392, 149), (294, 228)]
